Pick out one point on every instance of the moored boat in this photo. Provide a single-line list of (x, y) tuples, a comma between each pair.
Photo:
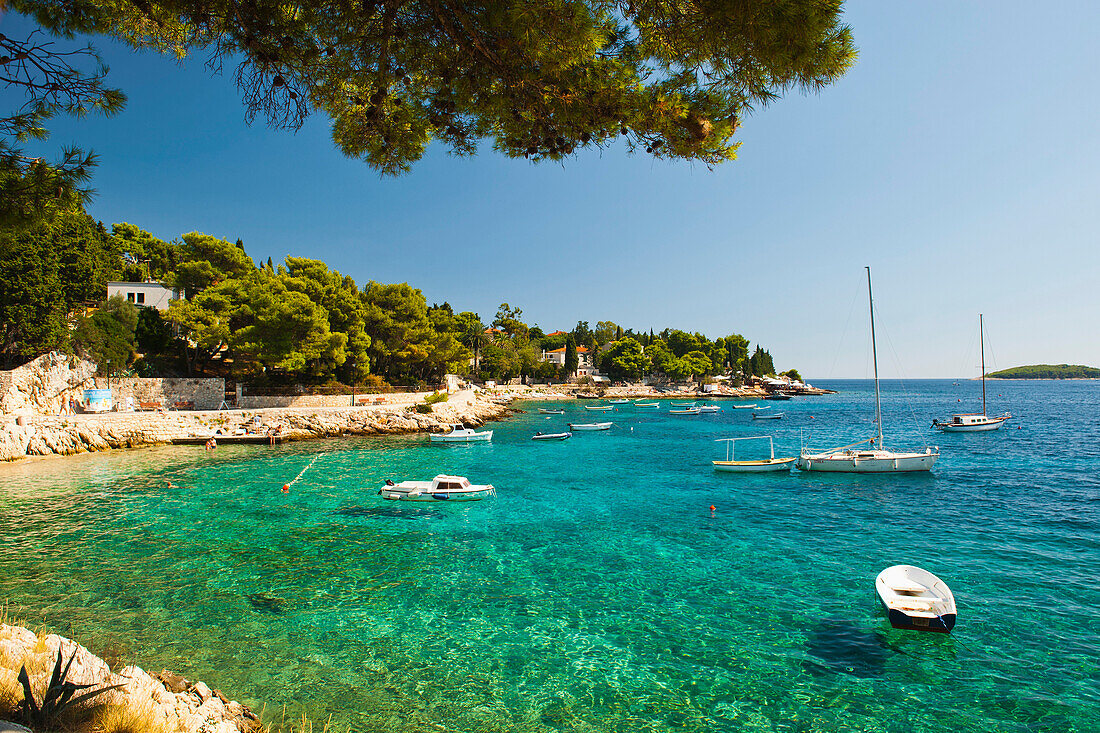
[(732, 465), (460, 434), (682, 404), (599, 407), (618, 402), (916, 599), (974, 422), (551, 436), (647, 404), (708, 408), (546, 411), (776, 416), (685, 411), (747, 407), (777, 396), (440, 488), (590, 426)]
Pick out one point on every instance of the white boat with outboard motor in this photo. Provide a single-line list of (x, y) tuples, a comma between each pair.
[(600, 407), (878, 459), (546, 411), (551, 436), (685, 411), (974, 422), (732, 465), (708, 408), (440, 488), (645, 405), (916, 599), (590, 426), (748, 407), (460, 434), (776, 416)]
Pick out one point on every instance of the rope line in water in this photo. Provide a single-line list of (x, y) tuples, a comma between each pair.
[(308, 466)]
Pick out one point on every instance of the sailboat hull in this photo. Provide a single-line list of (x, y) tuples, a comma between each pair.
[(863, 462), (981, 427)]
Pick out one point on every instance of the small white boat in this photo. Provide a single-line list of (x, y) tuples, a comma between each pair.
[(440, 488), (756, 466), (599, 407), (686, 411), (708, 408), (646, 404), (619, 402), (682, 404), (546, 411), (776, 416), (763, 407), (590, 426), (460, 434), (748, 407), (916, 599), (551, 436)]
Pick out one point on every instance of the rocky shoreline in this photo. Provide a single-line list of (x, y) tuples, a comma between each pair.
[(165, 701), (42, 435)]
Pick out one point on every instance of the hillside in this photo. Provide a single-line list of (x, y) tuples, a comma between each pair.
[(1047, 371)]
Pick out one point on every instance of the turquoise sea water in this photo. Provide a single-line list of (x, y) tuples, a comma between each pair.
[(597, 591)]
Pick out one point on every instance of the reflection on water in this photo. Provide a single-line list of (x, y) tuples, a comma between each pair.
[(597, 591)]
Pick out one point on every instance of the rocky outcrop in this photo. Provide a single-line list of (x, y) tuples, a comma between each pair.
[(40, 386), (53, 435), (171, 702)]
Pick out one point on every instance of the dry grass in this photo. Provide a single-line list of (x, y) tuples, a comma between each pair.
[(123, 714), (303, 725)]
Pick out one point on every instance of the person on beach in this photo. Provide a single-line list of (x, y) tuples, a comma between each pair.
[(211, 444)]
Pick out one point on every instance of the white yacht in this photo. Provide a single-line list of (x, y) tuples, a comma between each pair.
[(460, 434), (974, 422), (440, 488)]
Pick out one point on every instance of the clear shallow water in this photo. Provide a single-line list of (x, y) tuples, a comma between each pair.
[(597, 591)]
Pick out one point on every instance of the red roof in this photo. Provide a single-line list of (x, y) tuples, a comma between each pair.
[(556, 333), (580, 350)]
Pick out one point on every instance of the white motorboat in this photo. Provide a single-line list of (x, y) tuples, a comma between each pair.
[(545, 411), (460, 434), (551, 436), (878, 459), (599, 407), (685, 411), (748, 407), (708, 408), (440, 488), (682, 404), (974, 422), (647, 404), (731, 464), (590, 426), (763, 407), (776, 416), (619, 402), (916, 599)]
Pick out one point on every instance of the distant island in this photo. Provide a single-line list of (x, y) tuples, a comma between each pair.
[(1047, 371)]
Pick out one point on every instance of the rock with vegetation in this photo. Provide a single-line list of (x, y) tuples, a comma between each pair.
[(1047, 371)]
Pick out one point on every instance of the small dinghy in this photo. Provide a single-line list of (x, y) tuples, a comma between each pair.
[(440, 488), (708, 408), (686, 411), (646, 404), (745, 407), (618, 402), (590, 426), (551, 436), (776, 416), (916, 599), (599, 407), (545, 411)]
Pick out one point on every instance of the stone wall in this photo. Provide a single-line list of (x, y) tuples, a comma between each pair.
[(41, 385), (206, 394), (259, 402)]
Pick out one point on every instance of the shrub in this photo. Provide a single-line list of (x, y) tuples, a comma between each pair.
[(436, 397), (424, 409)]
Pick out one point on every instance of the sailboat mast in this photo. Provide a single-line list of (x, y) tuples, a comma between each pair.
[(874, 354), (981, 336)]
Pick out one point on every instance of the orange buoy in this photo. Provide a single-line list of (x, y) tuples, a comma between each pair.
[(286, 488), (712, 507)]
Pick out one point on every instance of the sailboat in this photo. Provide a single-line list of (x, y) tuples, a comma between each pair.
[(876, 459), (974, 422)]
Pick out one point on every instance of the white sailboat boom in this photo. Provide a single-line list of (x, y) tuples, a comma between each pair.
[(874, 354)]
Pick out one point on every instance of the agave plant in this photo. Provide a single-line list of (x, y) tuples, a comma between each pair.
[(59, 698)]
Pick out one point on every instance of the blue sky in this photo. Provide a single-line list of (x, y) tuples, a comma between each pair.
[(959, 159)]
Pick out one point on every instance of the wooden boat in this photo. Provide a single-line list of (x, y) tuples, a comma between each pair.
[(440, 488), (551, 436), (590, 426), (599, 407), (755, 466), (645, 405), (708, 408), (460, 434), (686, 411), (974, 422), (545, 411), (916, 599), (776, 416), (747, 407), (877, 460)]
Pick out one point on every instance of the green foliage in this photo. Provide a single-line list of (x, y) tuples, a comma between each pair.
[(436, 397), (149, 258), (396, 318), (32, 304), (760, 363), (423, 409), (107, 337), (206, 261), (1048, 371), (793, 374), (339, 296), (152, 333), (624, 360), (508, 320), (59, 700), (572, 361)]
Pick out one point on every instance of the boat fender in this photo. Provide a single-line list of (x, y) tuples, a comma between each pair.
[(441, 497)]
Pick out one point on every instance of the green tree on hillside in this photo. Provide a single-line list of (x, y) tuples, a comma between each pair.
[(33, 308), (572, 360), (396, 319), (471, 333), (624, 360), (345, 309), (152, 258), (107, 337), (207, 261)]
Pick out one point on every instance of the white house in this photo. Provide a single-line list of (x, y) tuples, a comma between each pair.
[(584, 360), (150, 293)]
